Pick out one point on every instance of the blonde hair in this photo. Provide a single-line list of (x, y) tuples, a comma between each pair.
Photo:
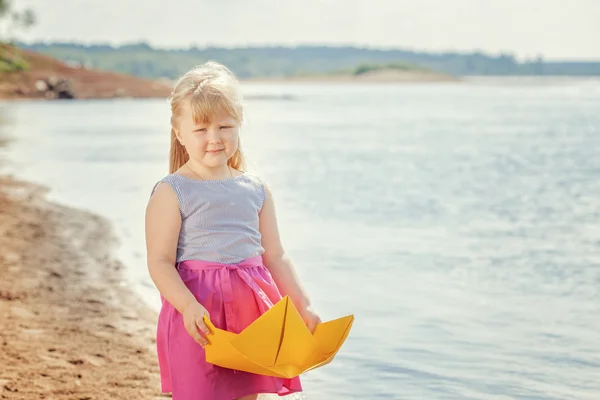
[(209, 88)]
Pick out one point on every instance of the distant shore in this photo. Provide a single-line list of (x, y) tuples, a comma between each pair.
[(382, 76), (38, 76), (43, 77)]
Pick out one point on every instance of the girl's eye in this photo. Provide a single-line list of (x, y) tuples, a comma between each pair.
[(200, 130), (226, 127)]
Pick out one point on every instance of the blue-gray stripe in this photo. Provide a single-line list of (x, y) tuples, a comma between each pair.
[(219, 218)]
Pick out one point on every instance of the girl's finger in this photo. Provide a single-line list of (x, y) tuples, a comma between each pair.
[(202, 326), (205, 332), (195, 334), (199, 338)]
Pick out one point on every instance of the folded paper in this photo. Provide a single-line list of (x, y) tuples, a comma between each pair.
[(278, 343)]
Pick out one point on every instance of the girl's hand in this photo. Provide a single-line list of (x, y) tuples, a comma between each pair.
[(193, 321), (310, 318)]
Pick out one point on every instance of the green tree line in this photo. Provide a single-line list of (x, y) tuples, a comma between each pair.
[(143, 60)]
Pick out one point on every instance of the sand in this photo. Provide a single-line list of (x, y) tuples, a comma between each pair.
[(69, 327), (374, 77)]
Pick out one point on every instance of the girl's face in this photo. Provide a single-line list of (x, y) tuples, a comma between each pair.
[(210, 144)]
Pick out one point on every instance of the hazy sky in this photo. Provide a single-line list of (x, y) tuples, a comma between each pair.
[(557, 29)]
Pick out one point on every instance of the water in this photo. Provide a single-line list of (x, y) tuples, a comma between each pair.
[(458, 222)]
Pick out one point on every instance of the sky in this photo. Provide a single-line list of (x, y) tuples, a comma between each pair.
[(554, 29)]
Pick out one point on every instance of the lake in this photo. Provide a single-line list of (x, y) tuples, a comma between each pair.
[(458, 222)]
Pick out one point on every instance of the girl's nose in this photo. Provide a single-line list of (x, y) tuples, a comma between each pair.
[(214, 135)]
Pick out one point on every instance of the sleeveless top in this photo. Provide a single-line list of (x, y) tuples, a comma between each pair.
[(219, 218)]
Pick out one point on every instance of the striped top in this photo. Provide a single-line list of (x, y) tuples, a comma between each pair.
[(219, 218)]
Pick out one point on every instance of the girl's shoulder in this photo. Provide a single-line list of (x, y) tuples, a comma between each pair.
[(253, 177), (246, 184), (168, 179), (176, 179)]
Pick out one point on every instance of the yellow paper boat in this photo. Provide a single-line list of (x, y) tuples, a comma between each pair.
[(278, 343)]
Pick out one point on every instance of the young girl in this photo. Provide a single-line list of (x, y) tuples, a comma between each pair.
[(213, 244)]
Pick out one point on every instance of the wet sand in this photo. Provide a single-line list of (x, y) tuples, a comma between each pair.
[(69, 327)]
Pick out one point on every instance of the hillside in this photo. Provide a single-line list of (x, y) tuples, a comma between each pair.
[(27, 74)]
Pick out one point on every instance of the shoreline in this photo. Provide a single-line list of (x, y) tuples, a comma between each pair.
[(51, 79), (71, 327), (376, 77)]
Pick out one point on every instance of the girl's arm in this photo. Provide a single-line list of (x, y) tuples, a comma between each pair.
[(280, 265), (163, 222)]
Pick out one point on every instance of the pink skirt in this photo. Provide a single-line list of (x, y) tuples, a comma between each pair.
[(234, 295)]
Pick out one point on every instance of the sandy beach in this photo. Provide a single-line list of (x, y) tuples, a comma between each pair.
[(69, 327)]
